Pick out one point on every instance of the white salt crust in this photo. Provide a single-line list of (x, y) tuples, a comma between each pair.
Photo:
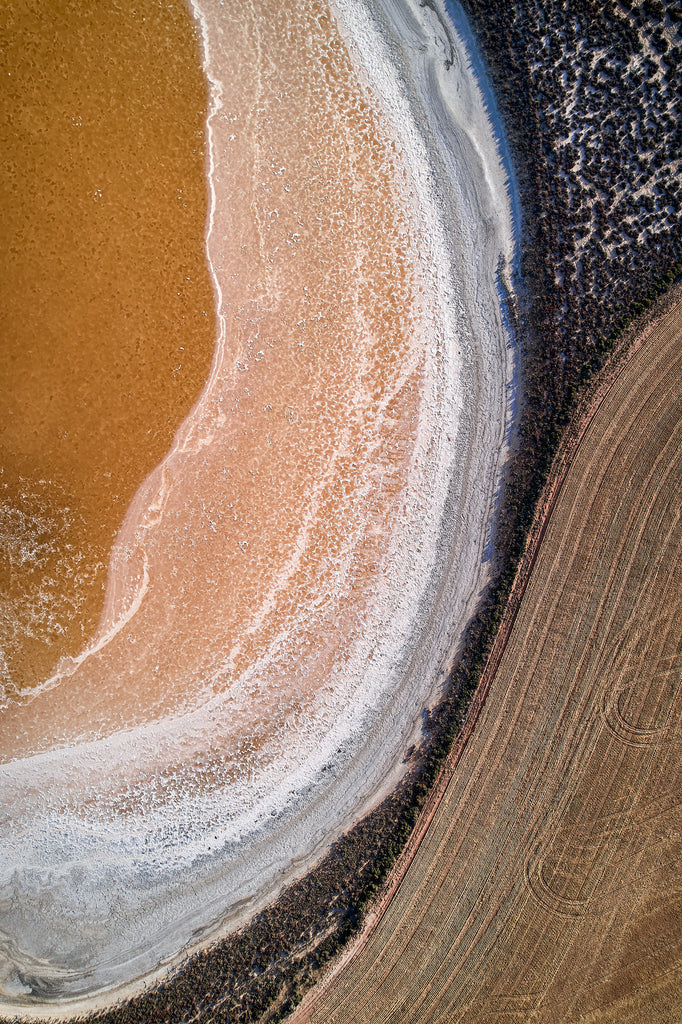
[(95, 905)]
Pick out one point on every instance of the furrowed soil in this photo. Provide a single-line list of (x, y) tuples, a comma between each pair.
[(544, 882)]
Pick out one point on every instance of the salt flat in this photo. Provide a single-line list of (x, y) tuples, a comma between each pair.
[(291, 582)]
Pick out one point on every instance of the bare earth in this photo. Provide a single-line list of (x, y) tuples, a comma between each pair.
[(546, 883)]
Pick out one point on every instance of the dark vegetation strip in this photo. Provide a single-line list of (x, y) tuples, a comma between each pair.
[(591, 106)]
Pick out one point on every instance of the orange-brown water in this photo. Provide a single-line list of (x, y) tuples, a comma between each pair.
[(261, 539), (107, 323), (287, 580)]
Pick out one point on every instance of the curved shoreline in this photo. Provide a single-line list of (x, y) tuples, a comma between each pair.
[(477, 204), (470, 505)]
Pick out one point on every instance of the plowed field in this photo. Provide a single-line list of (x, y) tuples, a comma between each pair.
[(548, 883)]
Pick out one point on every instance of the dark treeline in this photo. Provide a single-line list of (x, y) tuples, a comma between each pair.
[(590, 101)]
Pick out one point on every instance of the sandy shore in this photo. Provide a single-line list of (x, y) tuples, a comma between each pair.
[(419, 74)]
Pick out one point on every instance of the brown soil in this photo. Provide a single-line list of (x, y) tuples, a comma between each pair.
[(542, 882), (106, 308)]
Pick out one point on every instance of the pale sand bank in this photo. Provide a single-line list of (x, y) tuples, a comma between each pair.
[(96, 899)]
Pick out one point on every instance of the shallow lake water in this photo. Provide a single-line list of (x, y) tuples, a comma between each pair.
[(296, 528)]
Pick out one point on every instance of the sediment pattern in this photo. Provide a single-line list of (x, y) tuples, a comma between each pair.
[(292, 579)]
